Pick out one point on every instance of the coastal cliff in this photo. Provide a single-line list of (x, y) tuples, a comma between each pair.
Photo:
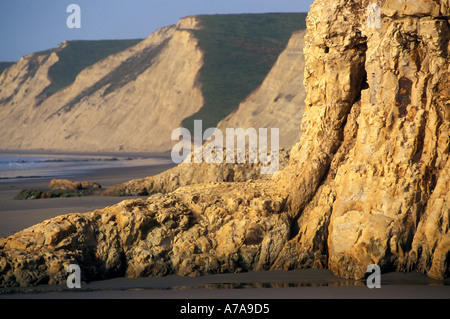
[(149, 88), (277, 103), (87, 96), (371, 169), (367, 183)]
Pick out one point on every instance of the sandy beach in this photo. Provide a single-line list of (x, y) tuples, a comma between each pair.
[(16, 215)]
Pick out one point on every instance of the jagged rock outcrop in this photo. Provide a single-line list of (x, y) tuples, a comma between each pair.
[(371, 169), (192, 231), (192, 173), (368, 182)]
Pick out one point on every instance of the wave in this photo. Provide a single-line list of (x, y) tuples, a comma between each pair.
[(14, 161), (20, 177)]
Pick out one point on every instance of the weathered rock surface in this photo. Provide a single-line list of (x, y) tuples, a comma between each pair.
[(88, 184), (192, 231), (62, 188), (65, 184), (193, 173), (368, 182), (371, 169)]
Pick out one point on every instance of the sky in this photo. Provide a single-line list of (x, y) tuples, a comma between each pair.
[(28, 26)]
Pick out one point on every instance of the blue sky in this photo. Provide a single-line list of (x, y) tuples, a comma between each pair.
[(28, 26)]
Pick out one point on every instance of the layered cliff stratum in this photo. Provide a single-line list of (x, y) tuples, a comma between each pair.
[(129, 95), (368, 181)]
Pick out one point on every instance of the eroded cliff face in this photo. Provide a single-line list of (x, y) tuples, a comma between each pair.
[(368, 182), (371, 168), (277, 103), (149, 89), (130, 101)]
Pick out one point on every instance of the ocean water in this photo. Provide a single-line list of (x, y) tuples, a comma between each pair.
[(19, 166)]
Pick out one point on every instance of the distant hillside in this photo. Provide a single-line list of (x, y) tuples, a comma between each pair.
[(279, 102), (239, 52), (74, 56), (127, 101), (129, 95), (4, 65)]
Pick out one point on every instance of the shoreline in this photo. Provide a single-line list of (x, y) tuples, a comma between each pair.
[(28, 166), (83, 153), (294, 284)]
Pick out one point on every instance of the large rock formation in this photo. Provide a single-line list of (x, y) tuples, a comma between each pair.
[(193, 173), (368, 182), (195, 230), (371, 170)]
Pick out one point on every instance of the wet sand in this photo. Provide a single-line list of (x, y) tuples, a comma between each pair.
[(258, 285), (16, 215)]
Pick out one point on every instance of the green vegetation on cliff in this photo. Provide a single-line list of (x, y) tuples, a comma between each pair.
[(78, 55), (240, 50)]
